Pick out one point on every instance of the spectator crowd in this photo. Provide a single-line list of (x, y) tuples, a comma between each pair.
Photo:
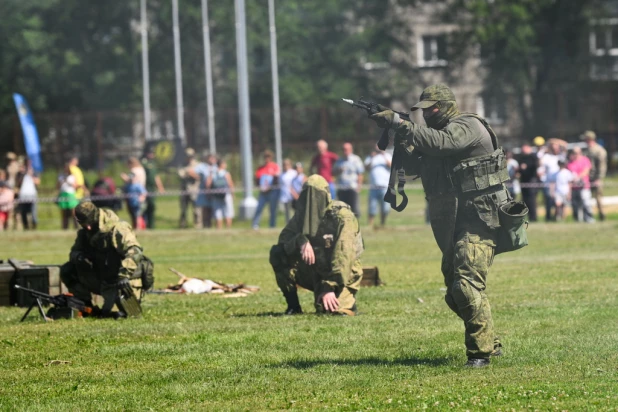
[(566, 177)]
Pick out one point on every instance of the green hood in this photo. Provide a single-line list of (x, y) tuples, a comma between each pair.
[(313, 202)]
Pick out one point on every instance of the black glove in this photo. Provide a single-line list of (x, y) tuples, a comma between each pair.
[(123, 283), (83, 263)]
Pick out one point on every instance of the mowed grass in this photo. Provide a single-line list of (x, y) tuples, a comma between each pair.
[(555, 307)]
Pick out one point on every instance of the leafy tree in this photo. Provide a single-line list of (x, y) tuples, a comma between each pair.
[(85, 55), (530, 48)]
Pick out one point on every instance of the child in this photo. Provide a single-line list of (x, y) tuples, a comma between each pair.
[(67, 199), (561, 185), (6, 204), (136, 196), (221, 184)]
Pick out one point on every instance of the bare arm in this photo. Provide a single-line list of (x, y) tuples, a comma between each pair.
[(159, 184)]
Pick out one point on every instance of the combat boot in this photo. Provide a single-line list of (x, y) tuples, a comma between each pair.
[(291, 299), (477, 363), (497, 348)]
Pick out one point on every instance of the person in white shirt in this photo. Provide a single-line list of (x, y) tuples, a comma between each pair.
[(28, 181), (285, 193), (349, 170), (560, 184), (378, 163), (548, 166)]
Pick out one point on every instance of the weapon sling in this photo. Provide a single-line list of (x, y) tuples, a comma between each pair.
[(397, 173)]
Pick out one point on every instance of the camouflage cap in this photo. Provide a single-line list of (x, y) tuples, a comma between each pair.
[(87, 213), (588, 135), (434, 94)]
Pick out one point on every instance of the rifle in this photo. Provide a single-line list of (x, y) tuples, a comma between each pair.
[(397, 168), (59, 301), (373, 108)]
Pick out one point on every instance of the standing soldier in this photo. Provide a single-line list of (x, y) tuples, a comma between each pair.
[(106, 259), (598, 157), (153, 184), (319, 249), (462, 171), (190, 188)]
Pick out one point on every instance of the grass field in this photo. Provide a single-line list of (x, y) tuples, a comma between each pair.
[(555, 306)]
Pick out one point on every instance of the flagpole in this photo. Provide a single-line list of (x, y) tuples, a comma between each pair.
[(208, 73), (145, 70), (275, 81), (180, 110), (249, 203)]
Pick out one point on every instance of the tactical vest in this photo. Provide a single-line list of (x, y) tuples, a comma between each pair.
[(481, 172), (467, 176)]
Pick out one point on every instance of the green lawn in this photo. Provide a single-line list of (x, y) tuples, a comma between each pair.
[(555, 306)]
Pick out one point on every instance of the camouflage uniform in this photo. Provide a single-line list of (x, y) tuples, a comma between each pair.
[(337, 245), (190, 188), (598, 157), (462, 171), (113, 253)]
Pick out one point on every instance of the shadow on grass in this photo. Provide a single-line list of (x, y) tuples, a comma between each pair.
[(412, 361)]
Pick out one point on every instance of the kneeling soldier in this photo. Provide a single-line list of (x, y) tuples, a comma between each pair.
[(107, 260), (319, 250)]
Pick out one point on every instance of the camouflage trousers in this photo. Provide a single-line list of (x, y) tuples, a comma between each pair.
[(82, 282), (291, 271), (465, 268)]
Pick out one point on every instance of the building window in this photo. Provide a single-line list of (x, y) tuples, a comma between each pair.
[(491, 109), (604, 39), (432, 51), (603, 43)]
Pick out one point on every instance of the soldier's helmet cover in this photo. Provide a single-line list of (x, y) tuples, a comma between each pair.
[(441, 96), (87, 214), (313, 202)]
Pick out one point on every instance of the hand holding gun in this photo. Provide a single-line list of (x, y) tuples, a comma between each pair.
[(373, 109)]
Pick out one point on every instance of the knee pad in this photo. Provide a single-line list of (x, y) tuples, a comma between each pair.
[(450, 302), (465, 296)]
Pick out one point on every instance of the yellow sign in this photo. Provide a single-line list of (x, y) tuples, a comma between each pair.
[(164, 152)]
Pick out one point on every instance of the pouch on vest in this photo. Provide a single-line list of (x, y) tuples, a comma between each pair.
[(513, 224), (481, 172)]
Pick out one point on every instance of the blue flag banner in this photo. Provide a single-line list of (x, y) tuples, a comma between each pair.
[(31, 136)]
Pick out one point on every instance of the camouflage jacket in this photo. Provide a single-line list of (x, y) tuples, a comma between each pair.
[(598, 157), (337, 245), (439, 151), (113, 249), (437, 155)]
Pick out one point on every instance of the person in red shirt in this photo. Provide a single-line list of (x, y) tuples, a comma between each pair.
[(322, 164), (267, 178)]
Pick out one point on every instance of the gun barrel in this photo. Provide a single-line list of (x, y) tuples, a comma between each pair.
[(35, 292)]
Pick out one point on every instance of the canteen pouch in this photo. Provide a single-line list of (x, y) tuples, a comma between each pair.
[(512, 234)]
